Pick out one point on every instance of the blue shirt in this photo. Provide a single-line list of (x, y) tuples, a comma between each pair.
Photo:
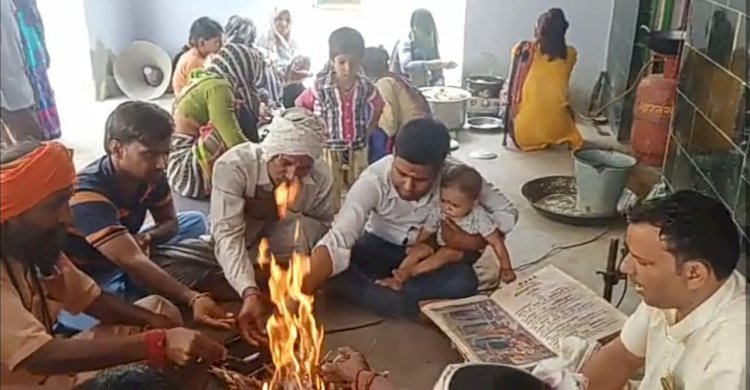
[(101, 213)]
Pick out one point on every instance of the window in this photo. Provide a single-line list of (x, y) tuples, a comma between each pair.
[(338, 4)]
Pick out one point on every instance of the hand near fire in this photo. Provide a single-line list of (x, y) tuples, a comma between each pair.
[(207, 312), (184, 346), (344, 367), (253, 317)]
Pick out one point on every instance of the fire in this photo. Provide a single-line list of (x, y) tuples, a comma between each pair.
[(285, 195), (294, 335)]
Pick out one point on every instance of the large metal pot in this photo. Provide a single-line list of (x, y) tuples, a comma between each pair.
[(489, 376), (448, 104), (484, 86)]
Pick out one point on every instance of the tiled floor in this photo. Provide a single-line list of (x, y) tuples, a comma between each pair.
[(416, 353)]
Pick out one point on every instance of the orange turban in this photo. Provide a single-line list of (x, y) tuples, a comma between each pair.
[(34, 177)]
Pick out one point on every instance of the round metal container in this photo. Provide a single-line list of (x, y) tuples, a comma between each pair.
[(448, 105), (554, 197), (490, 376), (485, 124), (484, 86)]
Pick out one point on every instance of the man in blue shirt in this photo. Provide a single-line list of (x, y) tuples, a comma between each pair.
[(109, 241)]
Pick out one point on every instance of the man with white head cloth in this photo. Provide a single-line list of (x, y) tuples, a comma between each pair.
[(243, 206)]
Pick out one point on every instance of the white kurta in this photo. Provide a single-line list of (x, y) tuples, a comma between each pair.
[(237, 175), (705, 350)]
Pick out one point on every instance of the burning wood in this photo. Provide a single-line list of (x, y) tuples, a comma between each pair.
[(295, 338), (294, 335), (234, 380)]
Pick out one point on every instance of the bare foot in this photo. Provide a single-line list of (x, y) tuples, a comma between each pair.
[(507, 275)]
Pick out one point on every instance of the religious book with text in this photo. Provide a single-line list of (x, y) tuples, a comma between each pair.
[(522, 323)]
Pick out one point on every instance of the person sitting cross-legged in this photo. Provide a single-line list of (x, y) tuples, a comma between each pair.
[(460, 188), (108, 237), (37, 281), (244, 207), (381, 218)]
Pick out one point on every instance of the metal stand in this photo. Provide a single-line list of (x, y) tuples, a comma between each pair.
[(611, 274)]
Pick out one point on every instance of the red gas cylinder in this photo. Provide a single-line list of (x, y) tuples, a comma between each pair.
[(654, 104)]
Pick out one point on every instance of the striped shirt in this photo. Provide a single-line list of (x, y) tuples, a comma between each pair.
[(101, 213), (347, 115)]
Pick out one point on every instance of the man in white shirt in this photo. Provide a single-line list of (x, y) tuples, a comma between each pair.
[(243, 207), (689, 332), (381, 217)]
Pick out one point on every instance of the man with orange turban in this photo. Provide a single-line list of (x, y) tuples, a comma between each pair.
[(37, 281)]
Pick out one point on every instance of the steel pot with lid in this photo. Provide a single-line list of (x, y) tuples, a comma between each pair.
[(448, 105), (485, 86)]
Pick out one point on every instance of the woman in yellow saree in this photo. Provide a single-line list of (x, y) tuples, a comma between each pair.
[(538, 110)]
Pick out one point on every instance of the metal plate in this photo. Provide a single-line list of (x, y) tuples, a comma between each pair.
[(485, 124), (554, 197), (483, 154)]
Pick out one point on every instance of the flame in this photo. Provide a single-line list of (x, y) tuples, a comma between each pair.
[(264, 260), (286, 195), (294, 336)]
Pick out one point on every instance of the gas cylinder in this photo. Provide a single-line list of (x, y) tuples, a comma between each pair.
[(654, 105)]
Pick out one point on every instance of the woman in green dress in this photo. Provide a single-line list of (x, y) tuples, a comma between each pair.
[(216, 111)]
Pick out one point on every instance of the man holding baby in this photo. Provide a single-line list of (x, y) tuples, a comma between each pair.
[(404, 236)]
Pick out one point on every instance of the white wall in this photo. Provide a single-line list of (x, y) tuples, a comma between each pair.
[(166, 22), (384, 22), (494, 26)]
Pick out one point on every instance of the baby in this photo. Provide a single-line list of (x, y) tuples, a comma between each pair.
[(459, 205)]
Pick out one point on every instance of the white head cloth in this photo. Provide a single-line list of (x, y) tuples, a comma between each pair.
[(296, 131)]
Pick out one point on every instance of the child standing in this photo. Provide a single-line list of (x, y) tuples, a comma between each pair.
[(459, 195), (350, 106)]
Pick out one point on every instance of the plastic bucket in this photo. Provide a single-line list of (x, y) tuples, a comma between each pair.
[(601, 176)]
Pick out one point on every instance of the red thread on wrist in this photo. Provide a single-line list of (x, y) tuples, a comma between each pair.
[(156, 348)]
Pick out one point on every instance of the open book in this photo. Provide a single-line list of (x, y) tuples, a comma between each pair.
[(523, 322)]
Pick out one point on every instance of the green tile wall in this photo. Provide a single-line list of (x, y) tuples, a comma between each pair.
[(710, 137)]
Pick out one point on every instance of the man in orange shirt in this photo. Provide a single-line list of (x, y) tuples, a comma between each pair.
[(37, 281)]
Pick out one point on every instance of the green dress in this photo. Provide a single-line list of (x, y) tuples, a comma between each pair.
[(206, 117)]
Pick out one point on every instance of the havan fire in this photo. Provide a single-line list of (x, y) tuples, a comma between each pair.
[(294, 335)]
